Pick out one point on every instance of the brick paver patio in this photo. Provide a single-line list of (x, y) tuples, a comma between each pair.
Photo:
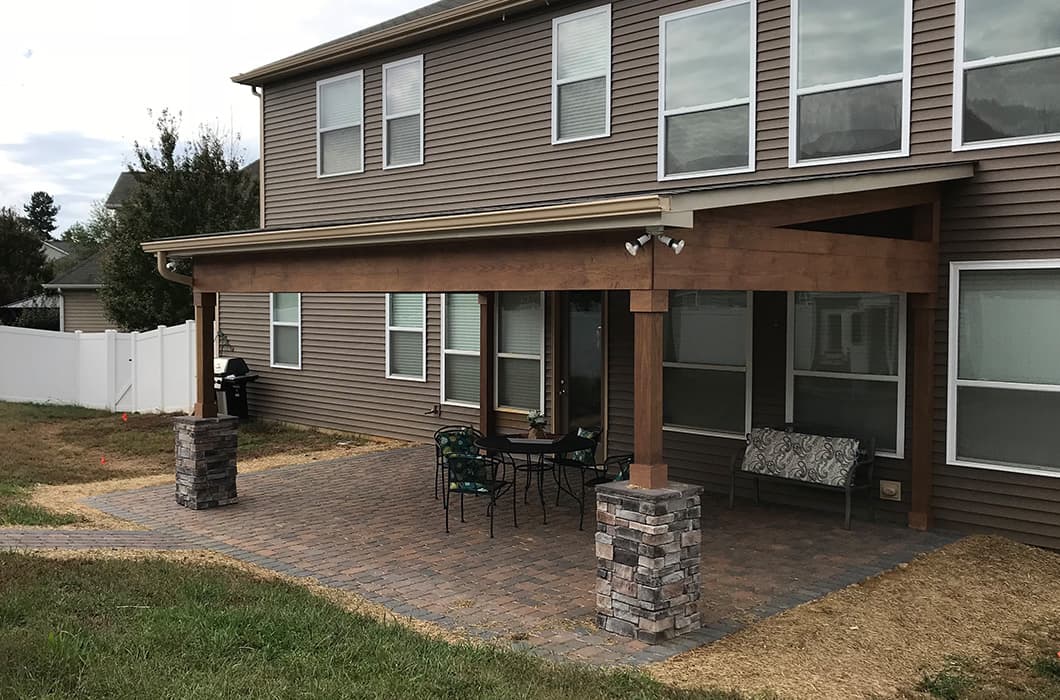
[(370, 524)]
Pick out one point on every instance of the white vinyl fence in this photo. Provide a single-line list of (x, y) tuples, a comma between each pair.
[(136, 372)]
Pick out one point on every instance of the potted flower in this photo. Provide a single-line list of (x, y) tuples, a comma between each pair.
[(536, 420)]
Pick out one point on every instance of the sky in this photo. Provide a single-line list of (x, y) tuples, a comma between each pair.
[(79, 80)]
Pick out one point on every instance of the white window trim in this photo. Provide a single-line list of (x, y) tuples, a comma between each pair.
[(952, 382), (387, 117), (273, 323), (900, 380), (748, 369), (556, 82), (410, 329), (320, 153), (498, 355), (794, 92), (750, 101), (960, 66), (446, 351)]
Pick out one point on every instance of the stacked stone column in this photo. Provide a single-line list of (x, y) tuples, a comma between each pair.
[(206, 461), (648, 558)]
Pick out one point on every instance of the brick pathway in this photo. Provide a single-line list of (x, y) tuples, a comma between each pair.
[(370, 524)]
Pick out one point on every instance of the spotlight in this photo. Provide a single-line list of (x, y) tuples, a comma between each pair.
[(171, 266), (675, 245), (633, 247)]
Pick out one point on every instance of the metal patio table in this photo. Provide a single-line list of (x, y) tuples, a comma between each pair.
[(535, 450)]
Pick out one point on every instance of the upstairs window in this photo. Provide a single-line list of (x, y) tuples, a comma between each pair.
[(406, 336), (460, 349), (1007, 77), (706, 90), (403, 113), (285, 326), (521, 351), (849, 80), (340, 125), (581, 75)]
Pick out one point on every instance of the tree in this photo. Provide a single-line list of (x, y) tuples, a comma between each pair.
[(40, 213), (182, 191), (87, 237), (23, 267)]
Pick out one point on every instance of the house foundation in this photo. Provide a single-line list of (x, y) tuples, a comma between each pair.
[(647, 550), (206, 461)]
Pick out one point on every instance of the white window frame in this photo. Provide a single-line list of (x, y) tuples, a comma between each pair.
[(556, 82), (795, 92), (422, 377), (498, 355), (900, 380), (387, 117), (952, 381), (273, 323), (749, 389), (959, 68), (750, 101), (446, 352), (320, 151)]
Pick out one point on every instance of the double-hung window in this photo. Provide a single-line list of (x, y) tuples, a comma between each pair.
[(1006, 73), (707, 363), (521, 351), (706, 90), (460, 349), (403, 113), (1004, 366), (285, 329), (406, 336), (849, 96), (846, 366), (581, 75), (340, 125)]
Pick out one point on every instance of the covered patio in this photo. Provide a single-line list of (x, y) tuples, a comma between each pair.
[(370, 525)]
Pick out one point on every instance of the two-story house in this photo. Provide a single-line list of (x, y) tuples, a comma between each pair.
[(677, 220)]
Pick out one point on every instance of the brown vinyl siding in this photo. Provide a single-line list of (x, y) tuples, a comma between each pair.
[(83, 311)]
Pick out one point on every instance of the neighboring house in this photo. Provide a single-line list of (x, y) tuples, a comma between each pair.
[(869, 206), (80, 308), (55, 249), (128, 180)]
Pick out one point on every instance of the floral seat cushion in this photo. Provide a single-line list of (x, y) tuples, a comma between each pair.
[(456, 442), (811, 458)]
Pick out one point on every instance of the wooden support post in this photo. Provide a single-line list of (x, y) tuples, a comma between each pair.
[(205, 312), (649, 308), (485, 355), (922, 307)]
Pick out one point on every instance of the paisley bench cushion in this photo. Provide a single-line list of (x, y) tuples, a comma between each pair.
[(812, 458)]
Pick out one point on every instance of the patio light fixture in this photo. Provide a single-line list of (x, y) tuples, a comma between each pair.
[(633, 247), (672, 243)]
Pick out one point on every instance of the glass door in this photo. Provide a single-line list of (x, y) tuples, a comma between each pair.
[(581, 381)]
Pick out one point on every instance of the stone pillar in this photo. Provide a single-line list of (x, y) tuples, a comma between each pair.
[(206, 461), (647, 551)]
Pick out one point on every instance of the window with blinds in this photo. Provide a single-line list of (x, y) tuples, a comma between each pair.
[(520, 350), (706, 86), (403, 113), (1004, 366), (340, 125), (406, 336), (706, 363), (846, 365), (460, 349), (285, 329), (581, 75)]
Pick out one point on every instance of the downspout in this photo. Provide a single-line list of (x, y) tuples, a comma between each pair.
[(167, 273), (260, 94)]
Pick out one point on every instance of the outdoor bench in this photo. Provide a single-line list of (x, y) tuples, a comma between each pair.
[(835, 463)]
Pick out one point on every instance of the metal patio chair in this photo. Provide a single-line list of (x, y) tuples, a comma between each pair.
[(476, 475), (453, 440)]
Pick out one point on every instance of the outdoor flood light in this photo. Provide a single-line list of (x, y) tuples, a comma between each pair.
[(633, 247), (675, 245)]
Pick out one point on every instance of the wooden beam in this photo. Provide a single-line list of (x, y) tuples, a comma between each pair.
[(648, 469), (922, 307), (486, 301), (801, 211), (205, 313)]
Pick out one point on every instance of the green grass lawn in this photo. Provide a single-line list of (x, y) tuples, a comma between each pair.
[(46, 444), (1027, 675), (156, 629)]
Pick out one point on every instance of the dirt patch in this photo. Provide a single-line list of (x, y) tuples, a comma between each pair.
[(66, 499), (351, 602), (877, 638)]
